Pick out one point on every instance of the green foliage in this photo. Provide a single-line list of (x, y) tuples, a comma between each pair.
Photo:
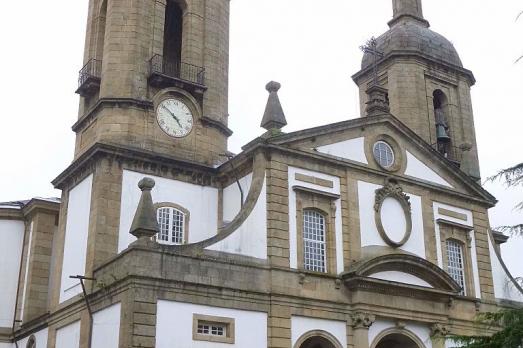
[(511, 177), (510, 336)]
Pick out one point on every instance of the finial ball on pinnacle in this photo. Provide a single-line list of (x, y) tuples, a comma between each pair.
[(146, 184), (273, 86)]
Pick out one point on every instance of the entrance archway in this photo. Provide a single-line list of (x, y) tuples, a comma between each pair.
[(399, 340), (317, 339)]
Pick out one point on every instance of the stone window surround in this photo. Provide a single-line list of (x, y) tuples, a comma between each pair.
[(186, 218), (325, 204), (229, 323), (460, 234), (400, 157)]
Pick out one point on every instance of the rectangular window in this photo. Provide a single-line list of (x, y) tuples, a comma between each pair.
[(455, 263), (213, 329), (314, 241)]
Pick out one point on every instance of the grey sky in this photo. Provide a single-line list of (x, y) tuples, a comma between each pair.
[(311, 50)]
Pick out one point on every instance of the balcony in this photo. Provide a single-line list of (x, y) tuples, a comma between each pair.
[(89, 78), (165, 74), (452, 153)]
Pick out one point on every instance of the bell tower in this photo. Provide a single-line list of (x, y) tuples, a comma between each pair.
[(156, 78), (428, 87)]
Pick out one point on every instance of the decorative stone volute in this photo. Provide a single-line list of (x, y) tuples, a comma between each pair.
[(438, 330), (144, 223), (361, 320), (273, 117), (378, 102)]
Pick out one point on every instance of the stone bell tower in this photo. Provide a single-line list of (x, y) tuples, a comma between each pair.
[(428, 87), (145, 61)]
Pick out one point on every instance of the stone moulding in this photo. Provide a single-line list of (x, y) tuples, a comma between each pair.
[(392, 190)]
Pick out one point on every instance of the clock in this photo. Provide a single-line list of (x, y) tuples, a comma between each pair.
[(174, 117)]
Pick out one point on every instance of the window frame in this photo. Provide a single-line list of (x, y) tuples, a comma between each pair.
[(388, 147), (227, 323), (460, 259), (324, 204), (319, 243), (186, 215)]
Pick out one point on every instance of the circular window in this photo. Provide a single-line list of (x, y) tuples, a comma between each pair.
[(383, 154)]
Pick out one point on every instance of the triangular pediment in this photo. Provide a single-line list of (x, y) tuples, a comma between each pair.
[(351, 142)]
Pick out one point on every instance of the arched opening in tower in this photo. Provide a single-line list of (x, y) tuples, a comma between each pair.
[(172, 38), (441, 113)]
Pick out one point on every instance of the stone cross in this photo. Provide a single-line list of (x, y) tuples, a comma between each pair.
[(371, 47)]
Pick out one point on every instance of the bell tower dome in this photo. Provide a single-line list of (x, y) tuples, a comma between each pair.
[(428, 87)]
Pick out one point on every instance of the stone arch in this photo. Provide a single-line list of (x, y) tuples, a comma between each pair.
[(406, 263), (317, 339), (100, 30), (396, 338)]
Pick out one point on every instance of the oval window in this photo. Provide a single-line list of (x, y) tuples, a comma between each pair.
[(383, 154)]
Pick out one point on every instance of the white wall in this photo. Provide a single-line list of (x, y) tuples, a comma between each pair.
[(250, 239), (419, 170), (40, 338), (76, 233), (106, 327), (302, 325), (11, 236), (400, 277), (26, 269), (468, 221), (174, 321), (369, 232), (504, 288), (201, 201), (68, 336), (353, 149), (422, 332), (293, 233)]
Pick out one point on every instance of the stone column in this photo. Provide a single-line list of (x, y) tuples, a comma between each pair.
[(360, 323)]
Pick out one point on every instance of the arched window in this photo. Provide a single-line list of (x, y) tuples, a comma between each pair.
[(441, 114), (173, 224), (100, 31), (314, 241), (31, 343), (172, 38), (455, 263)]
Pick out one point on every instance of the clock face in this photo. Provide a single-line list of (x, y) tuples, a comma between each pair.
[(174, 117)]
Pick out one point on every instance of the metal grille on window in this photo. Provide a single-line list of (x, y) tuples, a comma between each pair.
[(211, 329), (455, 263), (172, 225), (383, 154), (314, 243)]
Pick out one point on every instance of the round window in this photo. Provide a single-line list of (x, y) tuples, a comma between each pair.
[(383, 154)]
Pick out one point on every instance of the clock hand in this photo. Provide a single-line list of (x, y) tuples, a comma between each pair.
[(173, 115)]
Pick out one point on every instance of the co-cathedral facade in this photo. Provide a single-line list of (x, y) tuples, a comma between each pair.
[(367, 233)]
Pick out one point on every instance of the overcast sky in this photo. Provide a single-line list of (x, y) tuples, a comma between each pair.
[(311, 50)]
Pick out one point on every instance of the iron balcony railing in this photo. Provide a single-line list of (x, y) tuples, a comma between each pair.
[(89, 78), (452, 153), (178, 70), (91, 70)]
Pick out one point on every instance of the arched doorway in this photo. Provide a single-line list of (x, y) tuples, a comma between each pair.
[(317, 342), (398, 340), (317, 339)]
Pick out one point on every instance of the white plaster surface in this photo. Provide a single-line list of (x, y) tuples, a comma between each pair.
[(76, 233), (12, 235), (468, 221), (419, 170), (201, 201), (393, 219), (369, 232), (106, 327), (401, 277), (292, 214), (40, 339), (422, 332), (69, 336), (174, 326), (352, 149), (504, 288), (26, 269), (250, 239), (302, 325)]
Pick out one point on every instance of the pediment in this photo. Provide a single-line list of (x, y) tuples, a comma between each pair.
[(352, 142), (405, 269)]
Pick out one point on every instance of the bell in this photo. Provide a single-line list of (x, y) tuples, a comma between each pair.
[(441, 134)]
